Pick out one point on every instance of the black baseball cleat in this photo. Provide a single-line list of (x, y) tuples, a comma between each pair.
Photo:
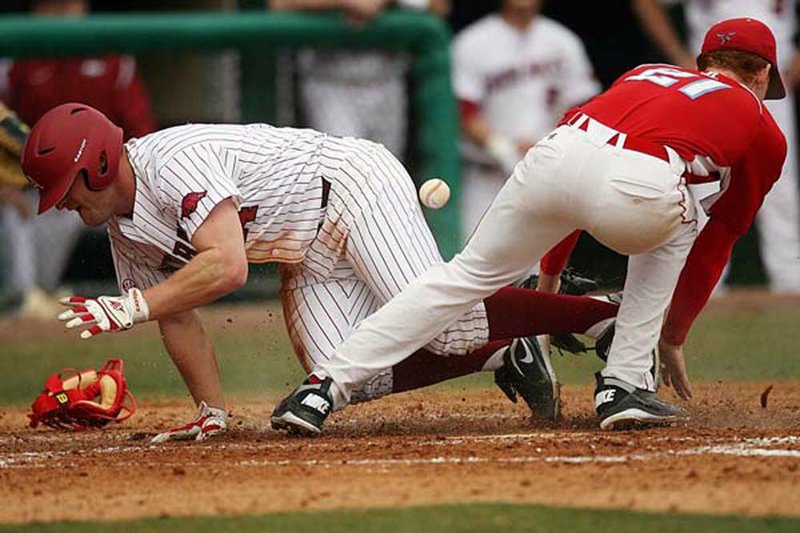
[(527, 371), (602, 345), (620, 405), (304, 411)]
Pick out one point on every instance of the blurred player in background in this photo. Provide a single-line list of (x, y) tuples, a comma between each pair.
[(188, 207), (13, 133), (40, 249), (515, 72), (357, 93), (617, 167), (779, 219)]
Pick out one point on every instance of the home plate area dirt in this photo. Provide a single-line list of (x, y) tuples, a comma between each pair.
[(421, 448)]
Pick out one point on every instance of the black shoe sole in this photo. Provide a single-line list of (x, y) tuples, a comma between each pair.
[(294, 425), (633, 418)]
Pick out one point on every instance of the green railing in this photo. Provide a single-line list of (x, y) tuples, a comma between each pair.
[(425, 37)]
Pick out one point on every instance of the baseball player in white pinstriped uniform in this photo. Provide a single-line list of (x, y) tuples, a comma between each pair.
[(514, 72), (188, 207), (779, 218)]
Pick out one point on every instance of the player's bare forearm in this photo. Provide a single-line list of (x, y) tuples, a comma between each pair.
[(208, 277), (220, 266), (658, 26), (193, 354), (303, 5), (439, 7), (321, 5), (477, 129)]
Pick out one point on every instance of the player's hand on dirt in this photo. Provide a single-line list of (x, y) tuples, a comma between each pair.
[(209, 421), (673, 369), (104, 313)]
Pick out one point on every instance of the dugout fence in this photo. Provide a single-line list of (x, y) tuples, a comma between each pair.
[(256, 36)]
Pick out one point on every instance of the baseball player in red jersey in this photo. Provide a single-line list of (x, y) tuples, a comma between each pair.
[(617, 167), (188, 207)]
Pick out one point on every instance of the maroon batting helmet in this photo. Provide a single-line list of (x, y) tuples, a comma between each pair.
[(68, 140)]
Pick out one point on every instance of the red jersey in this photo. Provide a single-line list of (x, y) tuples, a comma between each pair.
[(716, 124), (108, 83), (724, 133)]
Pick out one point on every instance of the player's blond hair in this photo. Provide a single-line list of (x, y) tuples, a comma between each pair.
[(744, 64)]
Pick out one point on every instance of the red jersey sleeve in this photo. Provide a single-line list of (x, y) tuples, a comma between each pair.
[(730, 217), (751, 178)]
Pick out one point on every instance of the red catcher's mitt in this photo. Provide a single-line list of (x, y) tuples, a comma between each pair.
[(82, 400)]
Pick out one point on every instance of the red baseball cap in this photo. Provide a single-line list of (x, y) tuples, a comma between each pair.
[(748, 35)]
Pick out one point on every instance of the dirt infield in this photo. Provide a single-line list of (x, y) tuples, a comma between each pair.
[(733, 456)]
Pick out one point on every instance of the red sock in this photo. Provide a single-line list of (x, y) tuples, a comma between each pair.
[(514, 312), (425, 368)]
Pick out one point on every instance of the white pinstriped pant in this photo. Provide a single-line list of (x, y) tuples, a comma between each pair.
[(372, 243), (633, 203)]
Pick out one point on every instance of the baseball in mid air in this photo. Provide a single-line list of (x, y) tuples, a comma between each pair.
[(434, 193)]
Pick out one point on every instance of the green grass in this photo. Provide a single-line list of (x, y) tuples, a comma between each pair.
[(249, 364), (730, 346), (451, 518)]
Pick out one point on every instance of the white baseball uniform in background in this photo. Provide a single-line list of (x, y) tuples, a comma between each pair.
[(522, 81), (39, 249), (778, 220), (356, 94), (341, 216)]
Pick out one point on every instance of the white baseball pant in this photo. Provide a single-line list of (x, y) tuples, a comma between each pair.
[(633, 203), (372, 243)]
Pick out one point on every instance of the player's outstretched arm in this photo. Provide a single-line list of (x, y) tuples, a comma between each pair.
[(193, 354), (699, 276), (659, 28), (219, 267), (191, 350)]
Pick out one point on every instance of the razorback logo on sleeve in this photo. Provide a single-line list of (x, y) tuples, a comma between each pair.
[(247, 215), (190, 201)]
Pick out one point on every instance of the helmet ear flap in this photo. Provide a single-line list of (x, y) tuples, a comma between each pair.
[(102, 179)]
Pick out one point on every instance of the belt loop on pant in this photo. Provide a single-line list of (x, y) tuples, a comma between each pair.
[(619, 139), (579, 121)]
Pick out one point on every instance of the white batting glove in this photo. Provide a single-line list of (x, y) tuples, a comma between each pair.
[(105, 313), (209, 421)]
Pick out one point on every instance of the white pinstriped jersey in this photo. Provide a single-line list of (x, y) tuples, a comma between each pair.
[(272, 174), (340, 214)]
